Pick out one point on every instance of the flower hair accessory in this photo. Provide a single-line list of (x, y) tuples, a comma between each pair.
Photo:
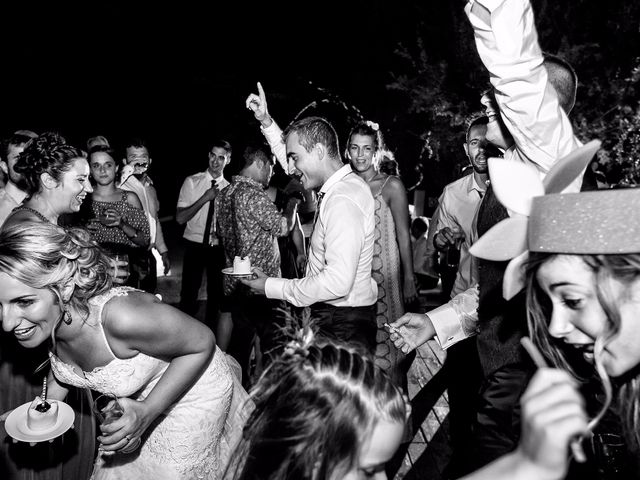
[(544, 220), (299, 345), (372, 125)]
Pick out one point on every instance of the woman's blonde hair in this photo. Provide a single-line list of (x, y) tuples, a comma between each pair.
[(42, 255)]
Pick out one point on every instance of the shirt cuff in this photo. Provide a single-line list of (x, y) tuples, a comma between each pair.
[(447, 325), (274, 288)]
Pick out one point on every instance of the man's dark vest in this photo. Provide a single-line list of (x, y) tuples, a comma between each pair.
[(502, 323)]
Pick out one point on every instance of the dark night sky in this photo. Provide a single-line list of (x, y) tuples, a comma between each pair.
[(178, 74)]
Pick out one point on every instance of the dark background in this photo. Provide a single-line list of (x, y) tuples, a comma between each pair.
[(178, 74)]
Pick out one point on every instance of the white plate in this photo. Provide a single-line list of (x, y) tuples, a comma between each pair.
[(229, 271), (16, 424)]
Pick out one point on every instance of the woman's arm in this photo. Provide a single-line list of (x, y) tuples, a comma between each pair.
[(396, 197), (139, 322)]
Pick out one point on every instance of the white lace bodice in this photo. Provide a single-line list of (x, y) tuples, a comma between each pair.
[(192, 439)]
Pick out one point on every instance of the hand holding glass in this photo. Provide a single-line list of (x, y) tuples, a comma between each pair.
[(107, 409)]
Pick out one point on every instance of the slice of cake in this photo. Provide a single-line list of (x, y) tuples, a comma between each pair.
[(242, 265), (42, 415)]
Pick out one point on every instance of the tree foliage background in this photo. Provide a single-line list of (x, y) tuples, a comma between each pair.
[(438, 77)]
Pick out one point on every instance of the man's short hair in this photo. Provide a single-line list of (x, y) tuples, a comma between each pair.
[(16, 139), (135, 142), (563, 78), (220, 143), (477, 119), (252, 154), (314, 130)]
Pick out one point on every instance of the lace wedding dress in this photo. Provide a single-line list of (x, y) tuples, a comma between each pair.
[(192, 439)]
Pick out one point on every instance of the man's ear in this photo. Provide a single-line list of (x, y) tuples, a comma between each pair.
[(4, 167), (321, 150), (48, 181)]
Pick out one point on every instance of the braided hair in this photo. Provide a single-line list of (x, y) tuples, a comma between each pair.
[(314, 408)]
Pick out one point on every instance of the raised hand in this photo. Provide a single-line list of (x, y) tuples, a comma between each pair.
[(258, 105)]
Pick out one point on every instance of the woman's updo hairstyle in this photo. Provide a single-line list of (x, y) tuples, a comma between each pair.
[(48, 153), (43, 255)]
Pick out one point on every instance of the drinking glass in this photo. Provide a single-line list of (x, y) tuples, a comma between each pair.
[(610, 454), (121, 266), (107, 409)]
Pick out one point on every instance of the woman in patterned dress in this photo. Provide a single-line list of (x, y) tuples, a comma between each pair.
[(392, 258), (118, 223)]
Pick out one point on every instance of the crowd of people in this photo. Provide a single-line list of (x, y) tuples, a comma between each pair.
[(326, 315)]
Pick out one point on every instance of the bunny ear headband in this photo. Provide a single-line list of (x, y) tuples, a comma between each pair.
[(544, 220)]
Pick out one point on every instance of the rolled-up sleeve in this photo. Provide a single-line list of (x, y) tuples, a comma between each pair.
[(273, 135), (344, 227), (507, 42)]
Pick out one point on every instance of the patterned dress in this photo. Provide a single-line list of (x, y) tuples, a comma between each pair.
[(386, 271), (192, 439), (114, 238)]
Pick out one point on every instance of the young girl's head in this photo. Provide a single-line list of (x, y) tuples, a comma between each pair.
[(322, 412)]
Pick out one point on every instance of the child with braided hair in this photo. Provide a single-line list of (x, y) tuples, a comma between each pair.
[(322, 411)]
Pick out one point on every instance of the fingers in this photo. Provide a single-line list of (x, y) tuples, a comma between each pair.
[(252, 102), (4, 416), (261, 93), (403, 320)]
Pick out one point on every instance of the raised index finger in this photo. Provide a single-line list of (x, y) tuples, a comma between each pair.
[(261, 92)]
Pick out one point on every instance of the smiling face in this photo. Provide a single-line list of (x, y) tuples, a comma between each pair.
[(497, 133), (361, 150), (103, 168), (578, 317), (218, 159), (307, 164), (30, 314), (73, 187), (377, 451), (139, 158)]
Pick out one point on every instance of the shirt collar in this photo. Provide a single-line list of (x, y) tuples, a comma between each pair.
[(14, 192), (243, 179), (473, 185), (336, 177), (220, 180)]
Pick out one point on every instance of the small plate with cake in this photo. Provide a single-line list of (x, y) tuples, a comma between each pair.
[(39, 421), (241, 269)]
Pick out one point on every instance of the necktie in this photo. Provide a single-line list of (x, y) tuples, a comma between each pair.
[(206, 238), (317, 212)]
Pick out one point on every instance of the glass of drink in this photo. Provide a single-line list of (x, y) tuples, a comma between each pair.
[(120, 267), (107, 409), (610, 453), (452, 254)]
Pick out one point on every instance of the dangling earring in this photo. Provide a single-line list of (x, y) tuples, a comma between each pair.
[(66, 316)]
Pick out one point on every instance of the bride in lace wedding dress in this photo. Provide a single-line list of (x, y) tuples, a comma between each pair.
[(180, 396)]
